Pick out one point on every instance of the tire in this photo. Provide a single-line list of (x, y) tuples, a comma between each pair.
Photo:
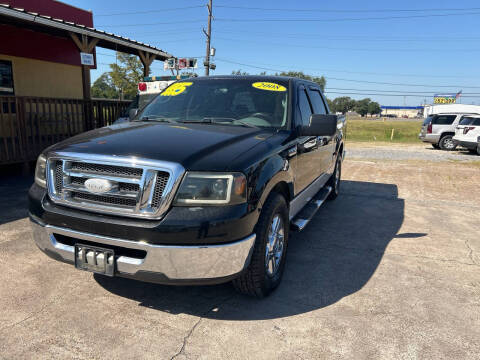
[(446, 143), (334, 181), (436, 146), (478, 150), (258, 280)]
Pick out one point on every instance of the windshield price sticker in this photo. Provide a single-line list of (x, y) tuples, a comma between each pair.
[(269, 86), (176, 89)]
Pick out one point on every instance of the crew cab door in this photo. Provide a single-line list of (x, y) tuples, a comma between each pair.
[(309, 163), (326, 144)]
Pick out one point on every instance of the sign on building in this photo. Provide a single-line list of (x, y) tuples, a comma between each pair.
[(87, 59), (446, 98)]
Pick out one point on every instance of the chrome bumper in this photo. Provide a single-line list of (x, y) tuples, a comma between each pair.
[(162, 263)]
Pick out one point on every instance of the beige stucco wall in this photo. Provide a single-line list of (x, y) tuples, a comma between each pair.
[(45, 79), (411, 113)]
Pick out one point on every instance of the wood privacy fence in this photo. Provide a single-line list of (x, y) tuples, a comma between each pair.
[(30, 124)]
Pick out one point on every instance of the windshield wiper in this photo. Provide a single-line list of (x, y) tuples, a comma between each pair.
[(217, 120), (157, 119)]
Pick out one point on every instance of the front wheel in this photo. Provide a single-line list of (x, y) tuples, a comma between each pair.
[(265, 271)]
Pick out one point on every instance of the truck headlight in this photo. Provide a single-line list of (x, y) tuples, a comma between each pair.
[(41, 171), (199, 188)]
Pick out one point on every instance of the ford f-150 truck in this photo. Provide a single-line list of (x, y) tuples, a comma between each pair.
[(202, 187)]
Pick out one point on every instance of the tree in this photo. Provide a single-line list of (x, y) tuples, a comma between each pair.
[(126, 74), (344, 104), (239, 72), (321, 81), (374, 108), (103, 88), (362, 106)]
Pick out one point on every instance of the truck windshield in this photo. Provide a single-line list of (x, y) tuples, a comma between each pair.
[(225, 101)]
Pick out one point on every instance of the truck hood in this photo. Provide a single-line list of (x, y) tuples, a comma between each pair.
[(195, 146)]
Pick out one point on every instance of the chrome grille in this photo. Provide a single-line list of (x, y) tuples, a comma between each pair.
[(104, 199), (101, 169), (160, 184), (138, 187)]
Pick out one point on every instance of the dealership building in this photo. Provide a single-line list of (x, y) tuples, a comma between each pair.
[(402, 111)]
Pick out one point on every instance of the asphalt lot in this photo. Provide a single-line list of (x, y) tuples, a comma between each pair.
[(391, 269)]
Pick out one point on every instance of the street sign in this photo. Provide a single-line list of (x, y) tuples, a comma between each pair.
[(192, 63), (87, 59), (182, 63)]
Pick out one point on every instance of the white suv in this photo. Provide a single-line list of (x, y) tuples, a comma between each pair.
[(467, 133), (439, 129)]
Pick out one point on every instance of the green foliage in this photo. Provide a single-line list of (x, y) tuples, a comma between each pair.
[(320, 80), (374, 108), (103, 88), (343, 104), (362, 106), (239, 72), (126, 74)]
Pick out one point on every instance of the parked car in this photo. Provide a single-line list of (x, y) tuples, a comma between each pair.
[(439, 130), (467, 133), (202, 187)]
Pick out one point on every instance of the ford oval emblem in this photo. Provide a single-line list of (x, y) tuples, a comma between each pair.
[(99, 186)]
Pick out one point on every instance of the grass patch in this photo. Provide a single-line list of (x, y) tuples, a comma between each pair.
[(381, 131)]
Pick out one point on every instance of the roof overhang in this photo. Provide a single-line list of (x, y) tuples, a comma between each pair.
[(59, 27)]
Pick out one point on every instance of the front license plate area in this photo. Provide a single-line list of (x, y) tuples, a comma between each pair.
[(95, 259)]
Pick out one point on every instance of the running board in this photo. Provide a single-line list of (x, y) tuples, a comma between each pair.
[(306, 214)]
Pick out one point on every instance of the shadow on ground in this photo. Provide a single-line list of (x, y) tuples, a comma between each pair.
[(14, 184), (333, 257)]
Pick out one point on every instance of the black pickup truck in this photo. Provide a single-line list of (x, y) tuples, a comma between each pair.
[(202, 187)]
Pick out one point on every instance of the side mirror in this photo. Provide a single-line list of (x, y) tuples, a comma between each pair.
[(132, 113), (320, 125)]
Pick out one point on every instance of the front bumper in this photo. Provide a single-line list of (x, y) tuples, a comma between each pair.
[(189, 264)]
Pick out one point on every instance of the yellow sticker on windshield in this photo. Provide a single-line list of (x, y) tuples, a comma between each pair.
[(176, 89), (269, 86)]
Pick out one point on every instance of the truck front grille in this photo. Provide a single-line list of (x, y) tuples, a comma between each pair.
[(137, 187)]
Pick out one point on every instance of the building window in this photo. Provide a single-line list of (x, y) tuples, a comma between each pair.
[(6, 78)]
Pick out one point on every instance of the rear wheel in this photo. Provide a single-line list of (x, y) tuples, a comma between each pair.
[(265, 271), (446, 143), (334, 181)]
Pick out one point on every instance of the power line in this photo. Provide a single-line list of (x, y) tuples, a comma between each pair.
[(367, 72), (150, 11), (343, 10), (382, 94), (394, 91), (354, 80), (345, 48), (150, 24), (348, 19), (321, 37)]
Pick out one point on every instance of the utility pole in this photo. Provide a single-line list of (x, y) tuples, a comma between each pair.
[(209, 35)]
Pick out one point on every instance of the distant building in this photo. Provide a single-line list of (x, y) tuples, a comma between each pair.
[(402, 111)]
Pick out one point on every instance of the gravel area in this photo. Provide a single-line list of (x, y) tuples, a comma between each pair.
[(406, 152)]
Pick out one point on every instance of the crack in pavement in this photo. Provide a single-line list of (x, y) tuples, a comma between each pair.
[(191, 331), (35, 313), (470, 254)]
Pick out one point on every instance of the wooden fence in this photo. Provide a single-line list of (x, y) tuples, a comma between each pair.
[(30, 124)]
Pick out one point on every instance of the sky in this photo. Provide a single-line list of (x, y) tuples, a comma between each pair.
[(394, 52)]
